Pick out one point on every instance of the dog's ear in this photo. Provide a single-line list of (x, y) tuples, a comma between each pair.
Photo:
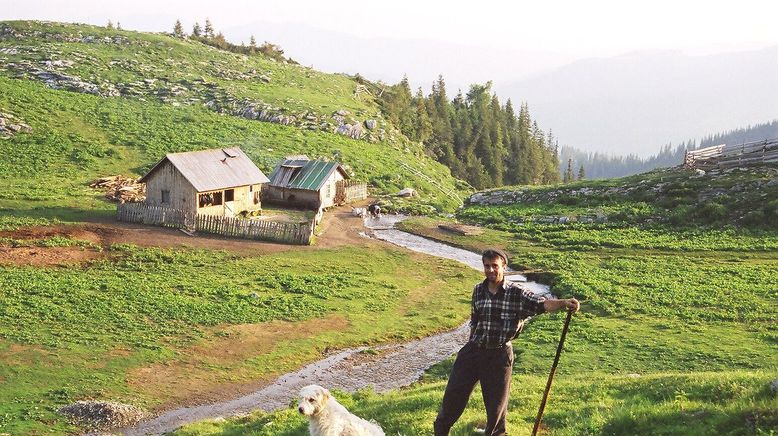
[(325, 394)]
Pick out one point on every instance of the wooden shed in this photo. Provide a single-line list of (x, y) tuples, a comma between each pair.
[(303, 182), (221, 182)]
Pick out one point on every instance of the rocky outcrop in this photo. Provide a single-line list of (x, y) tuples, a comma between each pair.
[(102, 415), (62, 69), (11, 125)]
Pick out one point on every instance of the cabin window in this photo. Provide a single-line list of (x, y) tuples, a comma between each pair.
[(165, 196), (209, 199), (229, 195)]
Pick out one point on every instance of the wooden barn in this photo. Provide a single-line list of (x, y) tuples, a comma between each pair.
[(309, 183), (221, 182)]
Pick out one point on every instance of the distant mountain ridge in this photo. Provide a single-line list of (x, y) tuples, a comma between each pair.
[(622, 104), (603, 165)]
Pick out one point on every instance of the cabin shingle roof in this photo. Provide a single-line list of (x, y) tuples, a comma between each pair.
[(209, 170)]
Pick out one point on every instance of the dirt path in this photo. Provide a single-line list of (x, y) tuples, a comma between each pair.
[(389, 367)]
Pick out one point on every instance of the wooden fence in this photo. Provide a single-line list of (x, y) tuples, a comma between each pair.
[(291, 233), (726, 156), (347, 191)]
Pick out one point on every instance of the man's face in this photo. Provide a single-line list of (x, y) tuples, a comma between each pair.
[(494, 269)]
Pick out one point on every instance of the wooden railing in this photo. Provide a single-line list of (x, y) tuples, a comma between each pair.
[(291, 233), (347, 191), (725, 156)]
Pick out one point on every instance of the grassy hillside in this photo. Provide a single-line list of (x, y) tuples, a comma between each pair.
[(150, 327), (124, 99), (677, 330)]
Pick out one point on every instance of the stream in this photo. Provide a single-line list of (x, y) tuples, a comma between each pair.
[(385, 367)]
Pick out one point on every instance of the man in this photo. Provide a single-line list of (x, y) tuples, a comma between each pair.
[(498, 311)]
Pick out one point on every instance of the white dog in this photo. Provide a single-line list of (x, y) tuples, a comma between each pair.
[(329, 418)]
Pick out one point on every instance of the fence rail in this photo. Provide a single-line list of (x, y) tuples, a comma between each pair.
[(724, 156), (347, 191), (292, 233)]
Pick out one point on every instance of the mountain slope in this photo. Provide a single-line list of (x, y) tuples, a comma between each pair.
[(101, 101)]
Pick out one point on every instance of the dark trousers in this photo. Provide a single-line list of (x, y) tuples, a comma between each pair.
[(491, 367)]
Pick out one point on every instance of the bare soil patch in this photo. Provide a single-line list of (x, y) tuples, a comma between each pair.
[(338, 228), (190, 380), (46, 256), (22, 355)]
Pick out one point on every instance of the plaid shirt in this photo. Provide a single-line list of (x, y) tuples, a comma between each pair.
[(496, 319)]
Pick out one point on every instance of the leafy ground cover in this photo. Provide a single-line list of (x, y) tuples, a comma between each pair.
[(95, 331)]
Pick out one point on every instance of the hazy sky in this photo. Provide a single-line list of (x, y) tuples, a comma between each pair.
[(575, 27)]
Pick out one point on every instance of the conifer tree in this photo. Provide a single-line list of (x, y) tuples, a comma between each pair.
[(208, 28), (252, 44), (513, 148), (109, 25), (581, 173), (178, 30), (196, 30), (569, 177), (118, 26), (400, 109), (526, 148), (423, 126)]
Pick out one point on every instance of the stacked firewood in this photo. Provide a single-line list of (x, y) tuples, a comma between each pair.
[(121, 189)]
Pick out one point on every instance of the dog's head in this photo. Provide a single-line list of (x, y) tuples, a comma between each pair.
[(312, 399)]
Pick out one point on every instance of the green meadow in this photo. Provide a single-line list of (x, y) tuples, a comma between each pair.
[(676, 334), (89, 331)]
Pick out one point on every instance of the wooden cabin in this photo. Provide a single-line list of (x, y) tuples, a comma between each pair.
[(309, 183), (221, 182)]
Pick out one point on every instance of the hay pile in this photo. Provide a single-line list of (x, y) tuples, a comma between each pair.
[(121, 189)]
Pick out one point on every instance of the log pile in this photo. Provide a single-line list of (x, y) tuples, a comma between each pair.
[(121, 189)]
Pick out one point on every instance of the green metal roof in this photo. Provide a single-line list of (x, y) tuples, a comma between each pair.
[(302, 174)]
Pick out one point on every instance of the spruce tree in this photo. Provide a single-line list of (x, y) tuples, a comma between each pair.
[(196, 30), (252, 44), (569, 177), (581, 173), (513, 149), (109, 25), (178, 30), (423, 126), (118, 26), (208, 28), (400, 108)]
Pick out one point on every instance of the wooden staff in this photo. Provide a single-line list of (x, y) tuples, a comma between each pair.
[(553, 370)]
